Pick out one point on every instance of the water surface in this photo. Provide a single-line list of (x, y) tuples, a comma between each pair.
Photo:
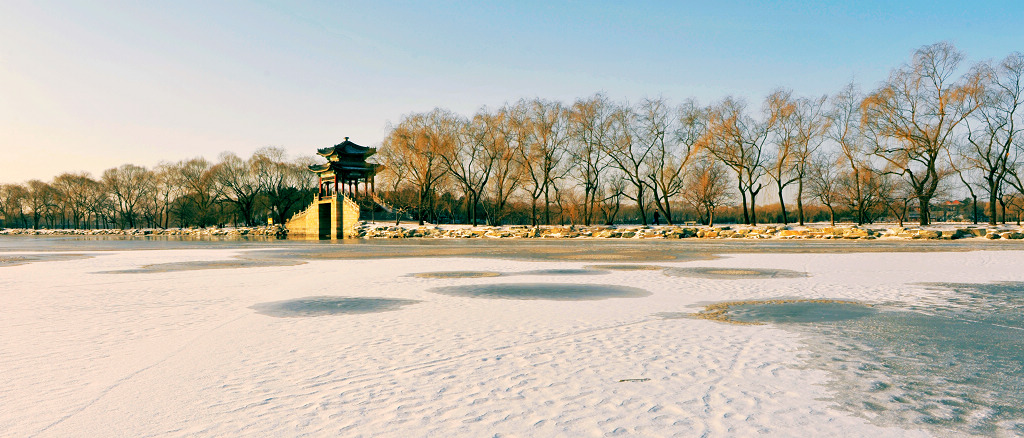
[(543, 291), (951, 363), (326, 305)]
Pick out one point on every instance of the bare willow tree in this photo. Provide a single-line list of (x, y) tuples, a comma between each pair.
[(589, 125), (195, 177), (811, 127), (844, 129), (542, 147), (12, 204), (632, 138), (73, 196), (238, 183), (286, 183), (738, 141), (707, 187), (781, 111), (128, 185), (994, 130), (913, 117), (421, 141), (613, 187), (471, 160), (394, 178), (39, 196), (673, 136), (824, 179), (507, 129)]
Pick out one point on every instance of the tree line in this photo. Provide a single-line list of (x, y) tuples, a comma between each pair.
[(935, 127), (188, 193)]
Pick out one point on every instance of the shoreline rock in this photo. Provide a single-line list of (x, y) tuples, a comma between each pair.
[(367, 230), (268, 231), (372, 231)]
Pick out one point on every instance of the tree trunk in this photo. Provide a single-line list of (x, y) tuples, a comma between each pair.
[(533, 212), (922, 203), (992, 199), (753, 208), (782, 204), (800, 201), (547, 207), (743, 197), (860, 200)]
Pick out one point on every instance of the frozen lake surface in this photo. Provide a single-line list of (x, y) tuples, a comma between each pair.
[(575, 338)]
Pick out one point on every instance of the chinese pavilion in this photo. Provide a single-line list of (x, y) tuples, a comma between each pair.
[(346, 168), (334, 214)]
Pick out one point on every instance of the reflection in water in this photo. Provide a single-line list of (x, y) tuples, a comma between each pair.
[(732, 273), (953, 362), (322, 306), (543, 291)]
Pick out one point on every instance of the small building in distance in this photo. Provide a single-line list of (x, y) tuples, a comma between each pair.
[(346, 174)]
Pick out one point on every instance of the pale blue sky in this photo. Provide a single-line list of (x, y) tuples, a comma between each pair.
[(94, 84)]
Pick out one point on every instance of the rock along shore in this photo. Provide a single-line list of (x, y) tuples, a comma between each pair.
[(377, 231), (941, 232), (273, 231)]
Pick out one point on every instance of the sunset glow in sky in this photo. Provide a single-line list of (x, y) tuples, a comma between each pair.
[(86, 86)]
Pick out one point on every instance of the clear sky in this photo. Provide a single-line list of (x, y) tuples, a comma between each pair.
[(90, 85)]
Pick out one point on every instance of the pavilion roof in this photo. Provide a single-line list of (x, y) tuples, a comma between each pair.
[(347, 148)]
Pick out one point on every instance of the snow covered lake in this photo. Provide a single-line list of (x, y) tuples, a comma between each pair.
[(566, 338)]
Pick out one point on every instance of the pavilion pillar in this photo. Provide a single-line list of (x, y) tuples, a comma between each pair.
[(335, 185)]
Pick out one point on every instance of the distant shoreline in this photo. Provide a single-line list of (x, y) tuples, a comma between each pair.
[(375, 231)]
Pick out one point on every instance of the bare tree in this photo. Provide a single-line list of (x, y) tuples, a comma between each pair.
[(286, 183), (238, 183), (394, 179), (12, 204), (128, 185), (471, 160), (707, 187), (673, 146), (589, 126), (633, 136), (994, 130), (541, 136), (845, 130), (780, 109), (507, 132), (811, 125), (913, 117), (893, 196), (611, 193), (738, 141), (196, 178), (823, 180), (421, 141), (72, 193)]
